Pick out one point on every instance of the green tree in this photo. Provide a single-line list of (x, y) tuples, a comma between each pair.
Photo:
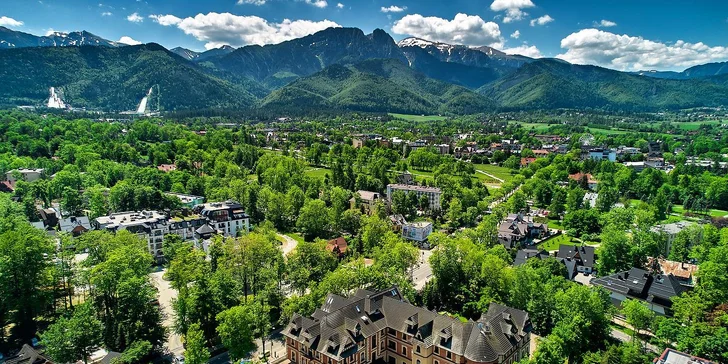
[(236, 330), (638, 315), (196, 351), (313, 221), (74, 338)]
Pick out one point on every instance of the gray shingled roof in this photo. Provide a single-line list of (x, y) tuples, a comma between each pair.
[(639, 284), (340, 323)]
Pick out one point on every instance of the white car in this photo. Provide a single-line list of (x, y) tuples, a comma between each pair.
[(179, 359)]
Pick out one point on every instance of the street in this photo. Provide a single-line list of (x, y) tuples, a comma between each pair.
[(422, 273), (166, 294)]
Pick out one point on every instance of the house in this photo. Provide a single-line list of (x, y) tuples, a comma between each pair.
[(598, 154), (188, 201), (358, 142), (228, 217), (412, 146), (28, 355), (657, 290), (443, 148), (74, 225), (525, 254), (383, 327), (518, 230), (338, 247), (525, 162), (397, 221), (417, 231), (27, 175), (683, 272), (432, 193), (670, 231), (672, 356), (541, 153), (405, 179), (366, 199), (166, 168), (581, 256), (591, 182)]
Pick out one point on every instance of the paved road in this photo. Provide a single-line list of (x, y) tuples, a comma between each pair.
[(166, 294), (423, 272), (288, 245), (623, 337)]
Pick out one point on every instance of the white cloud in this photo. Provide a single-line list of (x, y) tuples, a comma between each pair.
[(393, 9), (219, 29), (340, 5), (135, 18), (128, 41), (253, 2), (542, 20), (165, 20), (106, 13), (10, 22), (513, 8), (624, 52), (52, 31), (605, 23), (463, 29), (318, 3), (516, 34), (524, 50)]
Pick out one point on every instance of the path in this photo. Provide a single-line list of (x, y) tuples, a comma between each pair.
[(166, 295), (288, 244), (422, 273), (625, 338), (504, 198), (490, 175)]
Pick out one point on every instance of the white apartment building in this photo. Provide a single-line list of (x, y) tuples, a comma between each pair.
[(433, 193)]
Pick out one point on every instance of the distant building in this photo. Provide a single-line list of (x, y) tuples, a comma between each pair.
[(598, 154), (166, 168), (517, 230), (590, 180), (397, 221), (228, 217), (683, 272), (383, 327), (417, 231), (670, 232), (443, 148), (432, 193), (672, 356), (27, 175), (366, 199), (148, 225), (338, 247), (657, 290), (525, 162), (28, 355), (189, 201), (523, 255)]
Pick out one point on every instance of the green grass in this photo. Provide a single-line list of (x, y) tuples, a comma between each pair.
[(695, 125), (713, 212), (538, 127), (418, 117), (296, 236), (500, 172), (609, 131), (317, 172), (554, 243)]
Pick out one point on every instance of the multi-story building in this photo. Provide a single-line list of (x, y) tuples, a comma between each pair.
[(149, 225), (227, 217), (417, 231), (433, 194), (384, 327), (27, 175), (655, 289), (189, 201), (599, 154)]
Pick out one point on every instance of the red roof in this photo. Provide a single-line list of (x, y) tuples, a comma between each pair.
[(527, 161), (578, 177), (167, 167), (339, 244)]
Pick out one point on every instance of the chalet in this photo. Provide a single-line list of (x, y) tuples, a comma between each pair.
[(541, 153), (383, 327), (591, 182), (657, 290), (577, 258), (518, 230)]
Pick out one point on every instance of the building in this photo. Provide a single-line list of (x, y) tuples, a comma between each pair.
[(166, 168), (525, 162), (539, 153), (417, 231), (338, 247), (187, 226), (189, 201), (443, 148), (227, 217), (28, 355), (657, 290), (366, 199), (397, 221), (524, 255), (432, 193), (518, 230), (27, 175), (148, 225), (383, 327), (670, 231), (591, 182), (598, 154), (577, 258), (672, 356), (683, 272), (412, 146)]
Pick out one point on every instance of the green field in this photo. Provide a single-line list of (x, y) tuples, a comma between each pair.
[(317, 172), (713, 212), (500, 172), (418, 117), (553, 243), (695, 125), (608, 132), (538, 127)]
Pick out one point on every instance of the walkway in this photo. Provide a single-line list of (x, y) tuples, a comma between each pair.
[(166, 295), (288, 244), (490, 175)]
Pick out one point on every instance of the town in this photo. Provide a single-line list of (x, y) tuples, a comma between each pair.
[(363, 239)]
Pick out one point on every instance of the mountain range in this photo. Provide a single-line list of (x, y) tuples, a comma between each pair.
[(336, 68)]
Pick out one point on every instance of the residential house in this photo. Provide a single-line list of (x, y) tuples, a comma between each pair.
[(598, 154), (672, 356), (383, 327), (524, 255), (228, 217), (591, 182), (417, 231), (412, 146), (518, 230), (338, 247), (366, 199), (405, 178), (624, 152), (397, 221), (149, 225), (443, 148), (654, 149), (657, 290), (577, 258), (166, 168), (25, 174), (541, 153), (525, 162), (433, 194), (28, 355), (683, 272)]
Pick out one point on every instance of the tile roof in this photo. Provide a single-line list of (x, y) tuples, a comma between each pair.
[(340, 323), (583, 255), (639, 284), (524, 254)]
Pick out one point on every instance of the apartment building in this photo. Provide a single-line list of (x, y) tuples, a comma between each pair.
[(384, 327), (149, 225), (433, 194), (227, 217)]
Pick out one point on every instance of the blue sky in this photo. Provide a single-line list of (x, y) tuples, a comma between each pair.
[(619, 34)]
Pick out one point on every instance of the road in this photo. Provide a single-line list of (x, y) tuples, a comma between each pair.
[(422, 272), (166, 294), (623, 337), (288, 244), (504, 198)]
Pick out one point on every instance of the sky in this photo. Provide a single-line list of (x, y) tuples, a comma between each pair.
[(627, 35)]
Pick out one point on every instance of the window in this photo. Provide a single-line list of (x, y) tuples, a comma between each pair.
[(448, 354), (404, 350), (391, 331), (418, 361), (405, 337), (418, 350), (392, 345), (437, 362), (437, 351)]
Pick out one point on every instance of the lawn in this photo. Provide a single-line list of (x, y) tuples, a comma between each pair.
[(317, 172), (500, 172), (418, 117), (538, 127), (695, 125), (713, 212), (553, 243)]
